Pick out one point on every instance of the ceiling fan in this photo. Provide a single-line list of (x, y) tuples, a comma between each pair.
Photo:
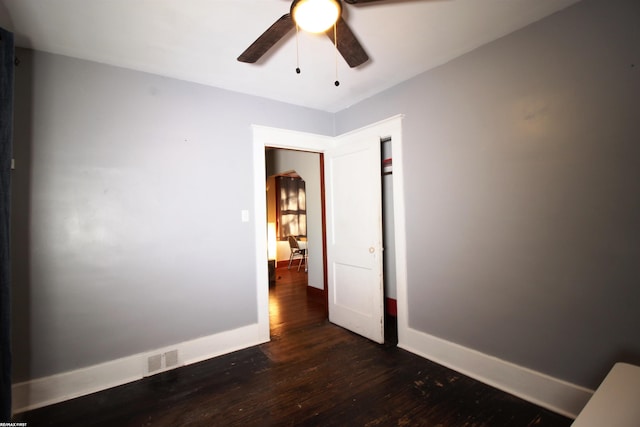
[(333, 25)]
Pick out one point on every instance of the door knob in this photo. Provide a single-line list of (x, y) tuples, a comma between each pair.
[(372, 250)]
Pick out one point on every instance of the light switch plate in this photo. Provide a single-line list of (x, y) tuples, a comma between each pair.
[(245, 215)]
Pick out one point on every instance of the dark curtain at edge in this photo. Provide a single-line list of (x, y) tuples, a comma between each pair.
[(6, 126)]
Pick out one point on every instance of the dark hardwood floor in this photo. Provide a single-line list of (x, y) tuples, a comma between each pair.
[(311, 373)]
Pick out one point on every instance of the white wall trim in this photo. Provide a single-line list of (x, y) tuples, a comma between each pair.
[(264, 136), (278, 138), (68, 385), (556, 395)]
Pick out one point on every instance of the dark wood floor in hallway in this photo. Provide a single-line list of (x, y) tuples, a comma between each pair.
[(312, 373)]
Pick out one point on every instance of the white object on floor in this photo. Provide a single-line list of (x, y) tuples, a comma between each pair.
[(616, 402)]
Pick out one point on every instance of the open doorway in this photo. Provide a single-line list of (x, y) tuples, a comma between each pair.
[(294, 204)]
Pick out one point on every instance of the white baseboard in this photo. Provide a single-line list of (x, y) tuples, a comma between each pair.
[(551, 393), (68, 385)]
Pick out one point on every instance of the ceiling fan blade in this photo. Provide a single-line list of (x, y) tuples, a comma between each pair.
[(359, 1), (274, 33), (364, 2), (348, 45)]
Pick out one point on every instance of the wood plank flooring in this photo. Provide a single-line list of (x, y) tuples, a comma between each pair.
[(312, 373)]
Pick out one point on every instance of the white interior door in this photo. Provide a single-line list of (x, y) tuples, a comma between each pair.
[(354, 235)]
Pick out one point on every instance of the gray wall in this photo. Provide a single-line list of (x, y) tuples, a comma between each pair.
[(127, 231), (522, 192)]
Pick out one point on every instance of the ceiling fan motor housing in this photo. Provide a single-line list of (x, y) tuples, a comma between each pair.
[(315, 16)]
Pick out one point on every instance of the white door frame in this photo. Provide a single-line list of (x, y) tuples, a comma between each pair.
[(282, 138)]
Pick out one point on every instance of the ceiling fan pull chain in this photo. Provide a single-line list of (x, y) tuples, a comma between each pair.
[(297, 51), (335, 43)]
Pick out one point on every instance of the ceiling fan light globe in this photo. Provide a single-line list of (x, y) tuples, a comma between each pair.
[(316, 16)]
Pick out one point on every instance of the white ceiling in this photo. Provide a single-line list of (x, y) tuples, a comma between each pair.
[(199, 40)]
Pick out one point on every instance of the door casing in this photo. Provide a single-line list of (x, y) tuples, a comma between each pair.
[(287, 139)]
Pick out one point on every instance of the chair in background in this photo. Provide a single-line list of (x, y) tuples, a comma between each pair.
[(296, 251)]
